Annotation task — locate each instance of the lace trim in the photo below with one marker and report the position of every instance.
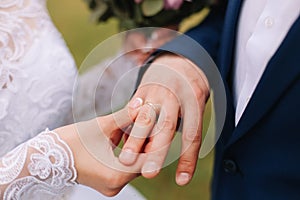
(50, 170)
(13, 164)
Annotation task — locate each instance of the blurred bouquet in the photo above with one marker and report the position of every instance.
(145, 13)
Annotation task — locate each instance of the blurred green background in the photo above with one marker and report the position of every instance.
(72, 19)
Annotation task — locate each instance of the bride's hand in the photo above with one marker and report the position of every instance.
(92, 143)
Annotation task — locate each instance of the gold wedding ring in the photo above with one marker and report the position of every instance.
(155, 107)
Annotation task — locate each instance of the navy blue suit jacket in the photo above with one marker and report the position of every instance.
(260, 158)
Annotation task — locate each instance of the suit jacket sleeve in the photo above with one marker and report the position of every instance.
(198, 43)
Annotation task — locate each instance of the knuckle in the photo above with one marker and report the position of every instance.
(113, 182)
(199, 93)
(186, 164)
(109, 178)
(200, 90)
(165, 126)
(192, 135)
(168, 124)
(111, 192)
(144, 119)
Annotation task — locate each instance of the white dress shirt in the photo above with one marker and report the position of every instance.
(262, 27)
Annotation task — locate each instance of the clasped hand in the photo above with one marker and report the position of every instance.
(172, 88)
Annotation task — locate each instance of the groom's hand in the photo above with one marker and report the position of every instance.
(172, 88)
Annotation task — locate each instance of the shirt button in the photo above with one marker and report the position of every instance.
(229, 166)
(269, 22)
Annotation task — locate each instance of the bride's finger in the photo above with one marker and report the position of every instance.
(99, 146)
(126, 133)
(115, 138)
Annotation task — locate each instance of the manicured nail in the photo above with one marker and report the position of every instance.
(127, 156)
(136, 103)
(183, 178)
(150, 167)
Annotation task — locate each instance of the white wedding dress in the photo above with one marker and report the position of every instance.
(37, 74)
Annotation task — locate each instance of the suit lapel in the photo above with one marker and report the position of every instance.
(228, 37)
(281, 71)
(226, 54)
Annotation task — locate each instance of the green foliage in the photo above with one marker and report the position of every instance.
(152, 7)
(163, 187)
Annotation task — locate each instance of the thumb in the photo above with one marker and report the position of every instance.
(120, 120)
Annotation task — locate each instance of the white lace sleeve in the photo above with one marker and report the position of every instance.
(42, 168)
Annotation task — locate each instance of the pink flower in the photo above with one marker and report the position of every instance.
(168, 4)
(173, 4)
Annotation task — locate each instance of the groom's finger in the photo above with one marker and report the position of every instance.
(191, 141)
(161, 139)
(139, 133)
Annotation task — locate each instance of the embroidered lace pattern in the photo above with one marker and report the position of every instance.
(37, 73)
(43, 166)
(16, 33)
(36, 80)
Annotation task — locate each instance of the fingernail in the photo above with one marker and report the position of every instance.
(136, 103)
(127, 156)
(150, 167)
(183, 178)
